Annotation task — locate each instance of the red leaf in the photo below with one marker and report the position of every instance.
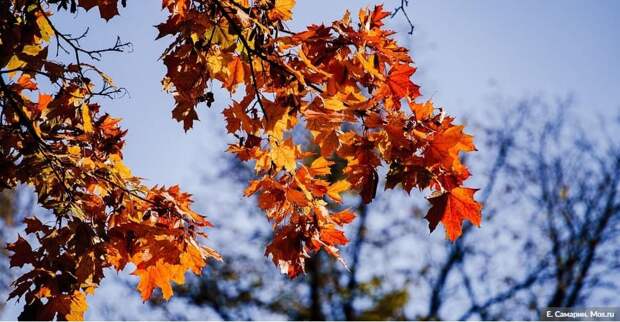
(400, 83)
(451, 208)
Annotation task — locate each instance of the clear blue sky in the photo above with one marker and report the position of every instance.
(466, 51)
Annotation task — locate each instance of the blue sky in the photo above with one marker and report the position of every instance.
(466, 51)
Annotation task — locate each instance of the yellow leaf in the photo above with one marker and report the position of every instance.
(32, 50)
(220, 37)
(240, 49)
(44, 28)
(107, 78)
(369, 65)
(120, 166)
(78, 212)
(335, 189)
(75, 150)
(88, 124)
(263, 162)
(77, 307)
(97, 190)
(320, 167)
(283, 155)
(281, 125)
(90, 290)
(283, 10)
(76, 98)
(333, 104)
(215, 63)
(14, 63)
(87, 163)
(194, 37)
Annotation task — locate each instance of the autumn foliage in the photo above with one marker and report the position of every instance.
(347, 86)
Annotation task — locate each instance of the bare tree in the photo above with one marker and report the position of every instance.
(562, 180)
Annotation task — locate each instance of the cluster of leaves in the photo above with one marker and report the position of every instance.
(58, 142)
(345, 84)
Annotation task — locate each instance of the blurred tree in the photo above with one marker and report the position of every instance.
(14, 205)
(6, 220)
(564, 177)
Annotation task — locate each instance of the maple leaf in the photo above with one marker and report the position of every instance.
(159, 275)
(343, 217)
(283, 155)
(452, 208)
(107, 8)
(377, 16)
(422, 111)
(177, 7)
(343, 83)
(335, 189)
(369, 65)
(22, 252)
(236, 70)
(297, 197)
(68, 307)
(186, 114)
(282, 10)
(320, 166)
(333, 236)
(329, 143)
(33, 225)
(399, 81)
(286, 250)
(446, 145)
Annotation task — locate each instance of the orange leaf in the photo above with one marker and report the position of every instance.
(236, 73)
(445, 147)
(297, 197)
(343, 217)
(159, 275)
(422, 111)
(283, 10)
(451, 208)
(26, 82)
(77, 307)
(44, 100)
(333, 236)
